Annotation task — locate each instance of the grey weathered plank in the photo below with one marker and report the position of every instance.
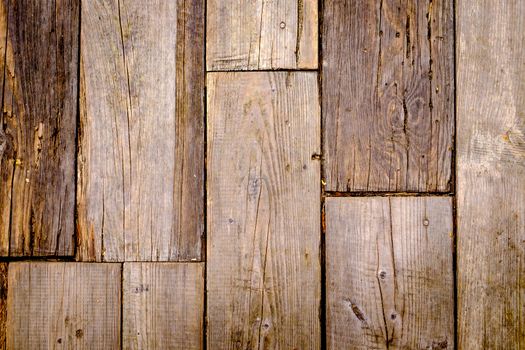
(141, 138)
(38, 72)
(491, 174)
(389, 274)
(263, 269)
(163, 305)
(261, 34)
(63, 305)
(3, 304)
(388, 95)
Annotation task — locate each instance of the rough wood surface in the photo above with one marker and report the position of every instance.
(3, 304)
(491, 174)
(38, 69)
(63, 305)
(261, 34)
(142, 155)
(163, 305)
(263, 269)
(388, 95)
(389, 274)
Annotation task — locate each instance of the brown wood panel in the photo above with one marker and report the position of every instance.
(141, 142)
(39, 72)
(389, 274)
(261, 34)
(63, 305)
(491, 174)
(3, 304)
(163, 306)
(388, 95)
(263, 268)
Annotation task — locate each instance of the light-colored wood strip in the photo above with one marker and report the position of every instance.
(38, 120)
(491, 174)
(141, 138)
(261, 34)
(63, 305)
(163, 306)
(389, 274)
(3, 304)
(388, 95)
(263, 268)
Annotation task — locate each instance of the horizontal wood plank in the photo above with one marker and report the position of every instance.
(163, 306)
(263, 268)
(141, 138)
(389, 275)
(63, 305)
(261, 34)
(39, 71)
(388, 95)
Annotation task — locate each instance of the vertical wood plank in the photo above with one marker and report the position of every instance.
(3, 304)
(141, 158)
(261, 34)
(63, 305)
(388, 95)
(389, 276)
(491, 174)
(163, 306)
(263, 279)
(39, 68)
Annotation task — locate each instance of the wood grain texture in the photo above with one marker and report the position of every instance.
(388, 95)
(142, 152)
(163, 306)
(39, 72)
(491, 174)
(63, 305)
(389, 274)
(263, 268)
(3, 304)
(261, 34)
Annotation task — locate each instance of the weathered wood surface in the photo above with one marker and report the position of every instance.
(389, 274)
(141, 138)
(263, 268)
(163, 305)
(38, 68)
(388, 95)
(63, 305)
(3, 304)
(491, 174)
(261, 34)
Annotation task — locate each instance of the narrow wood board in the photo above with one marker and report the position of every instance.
(141, 193)
(163, 306)
(3, 304)
(263, 268)
(63, 305)
(39, 72)
(388, 95)
(261, 34)
(491, 174)
(389, 274)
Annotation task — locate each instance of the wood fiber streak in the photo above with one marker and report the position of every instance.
(388, 95)
(141, 155)
(263, 268)
(389, 274)
(38, 120)
(63, 305)
(163, 306)
(3, 304)
(261, 34)
(491, 174)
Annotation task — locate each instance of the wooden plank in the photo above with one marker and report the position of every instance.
(388, 95)
(389, 274)
(491, 174)
(142, 153)
(70, 305)
(263, 279)
(3, 304)
(39, 71)
(163, 305)
(261, 34)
